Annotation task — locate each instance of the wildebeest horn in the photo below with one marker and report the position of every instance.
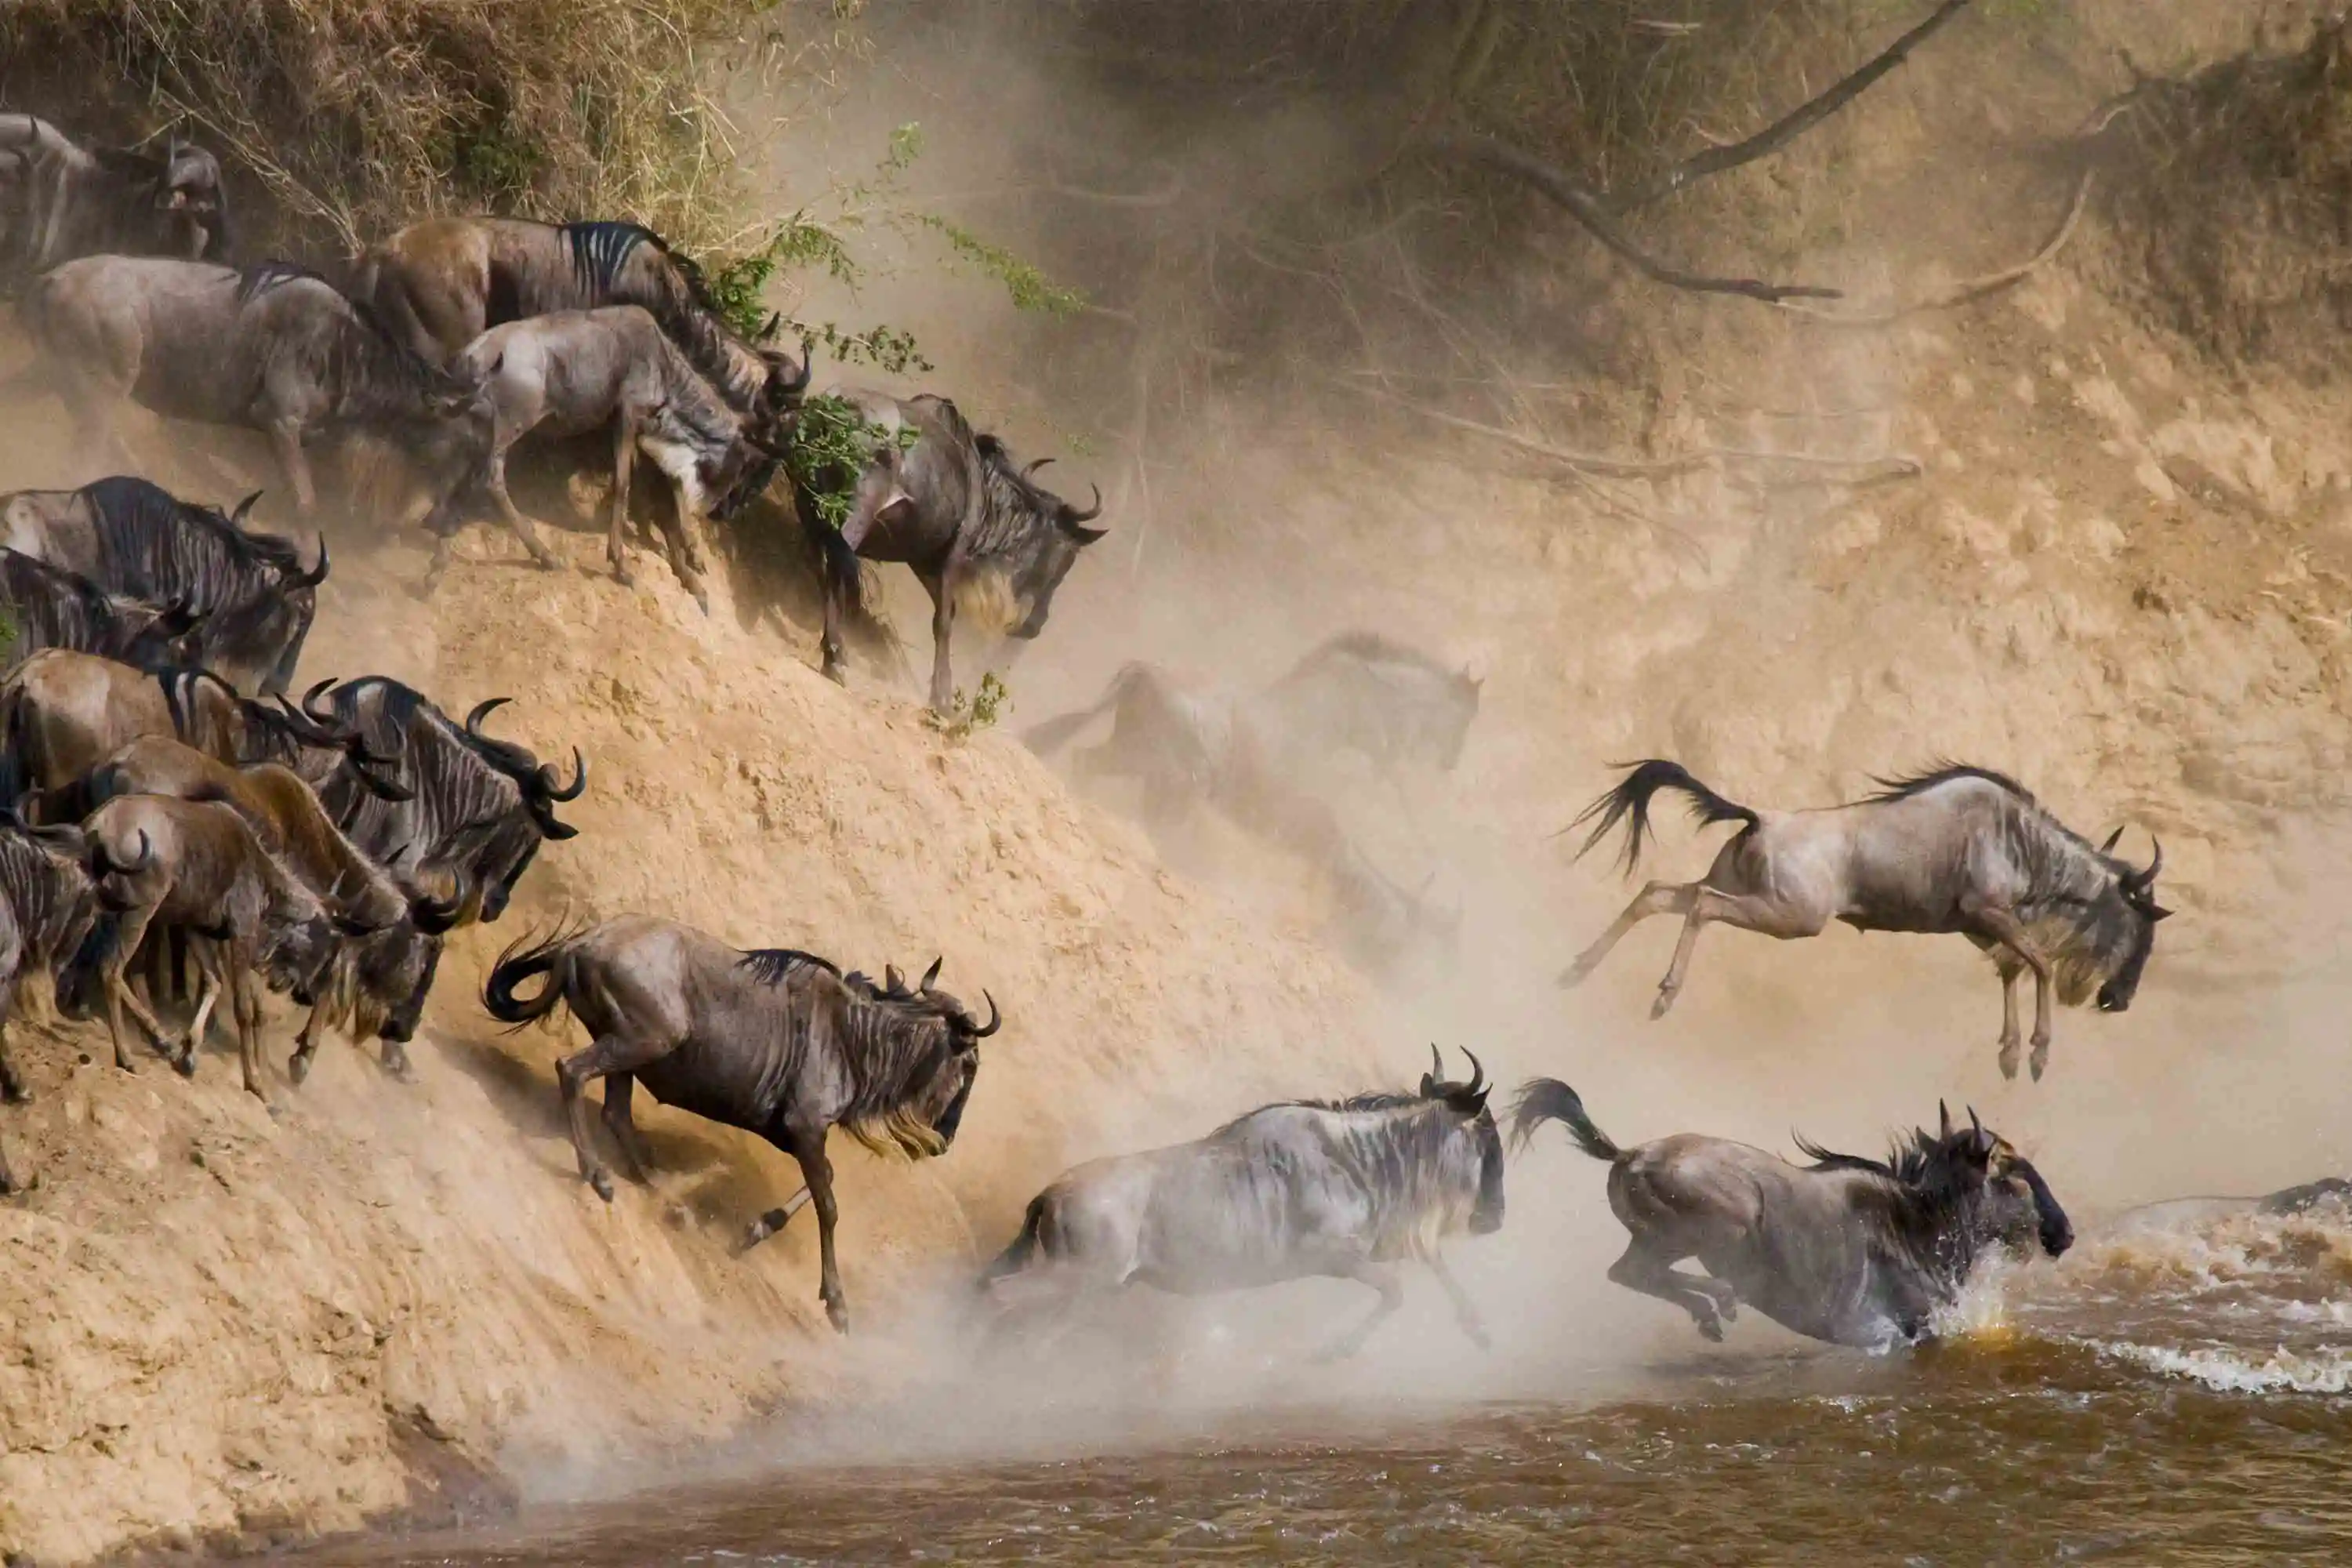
(548, 775)
(1436, 1064)
(995, 1019)
(1975, 1126)
(310, 699)
(236, 518)
(1477, 1073)
(1032, 467)
(1943, 1119)
(482, 710)
(436, 917)
(2141, 881)
(318, 572)
(775, 321)
(1072, 514)
(893, 983)
(931, 976)
(2113, 839)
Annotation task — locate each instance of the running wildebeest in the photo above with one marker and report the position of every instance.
(1342, 1189)
(273, 348)
(474, 808)
(48, 606)
(252, 592)
(1855, 1251)
(379, 983)
(157, 862)
(1960, 850)
(572, 371)
(444, 282)
(955, 509)
(59, 200)
(777, 1042)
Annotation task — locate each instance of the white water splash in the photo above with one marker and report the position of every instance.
(2237, 1371)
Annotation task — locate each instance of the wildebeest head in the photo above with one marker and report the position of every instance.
(392, 969)
(503, 860)
(191, 191)
(788, 375)
(1469, 1101)
(1036, 557)
(2131, 923)
(2003, 1197)
(936, 1082)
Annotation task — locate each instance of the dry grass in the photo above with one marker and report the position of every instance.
(360, 115)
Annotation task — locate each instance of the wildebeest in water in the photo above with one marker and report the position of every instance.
(1855, 1251)
(957, 509)
(1961, 849)
(1344, 1189)
(777, 1042)
(59, 200)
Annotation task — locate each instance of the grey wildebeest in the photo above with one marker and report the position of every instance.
(59, 200)
(777, 1042)
(955, 508)
(273, 348)
(158, 862)
(379, 982)
(48, 606)
(1855, 1251)
(1344, 1189)
(255, 596)
(46, 910)
(444, 282)
(473, 807)
(1959, 850)
(573, 372)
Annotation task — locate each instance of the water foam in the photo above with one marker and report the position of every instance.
(2237, 1372)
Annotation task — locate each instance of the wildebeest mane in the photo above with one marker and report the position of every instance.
(774, 965)
(1943, 773)
(1009, 504)
(1924, 1165)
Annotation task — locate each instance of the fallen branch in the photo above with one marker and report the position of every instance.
(1589, 208)
(1787, 129)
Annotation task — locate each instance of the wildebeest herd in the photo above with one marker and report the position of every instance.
(183, 834)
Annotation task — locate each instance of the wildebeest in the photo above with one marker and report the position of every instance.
(253, 593)
(955, 508)
(1855, 1251)
(59, 200)
(443, 281)
(473, 807)
(158, 862)
(1344, 1189)
(48, 606)
(1959, 850)
(777, 1042)
(47, 905)
(273, 348)
(379, 983)
(573, 372)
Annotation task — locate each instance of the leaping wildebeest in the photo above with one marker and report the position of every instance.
(59, 200)
(1959, 850)
(251, 591)
(444, 282)
(778, 1042)
(952, 505)
(274, 348)
(573, 372)
(1855, 1251)
(1342, 1189)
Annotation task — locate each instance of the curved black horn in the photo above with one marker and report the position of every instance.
(436, 917)
(893, 983)
(482, 710)
(995, 1019)
(318, 572)
(1091, 512)
(547, 778)
(1975, 1126)
(1477, 1073)
(2113, 839)
(310, 703)
(1032, 467)
(931, 976)
(2147, 878)
(236, 518)
(1436, 1064)
(774, 324)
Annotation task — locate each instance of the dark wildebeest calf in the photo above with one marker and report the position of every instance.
(1961, 849)
(59, 200)
(1858, 1252)
(578, 371)
(1344, 1189)
(954, 507)
(776, 1042)
(255, 597)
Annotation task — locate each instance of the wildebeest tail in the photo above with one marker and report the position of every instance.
(524, 958)
(1023, 1249)
(1630, 800)
(1051, 736)
(1543, 1099)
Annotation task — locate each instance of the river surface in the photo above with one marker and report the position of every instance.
(2176, 1392)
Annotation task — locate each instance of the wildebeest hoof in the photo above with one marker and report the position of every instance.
(838, 1316)
(2009, 1062)
(621, 575)
(2041, 1060)
(297, 1067)
(1658, 1008)
(603, 1183)
(397, 1066)
(1710, 1325)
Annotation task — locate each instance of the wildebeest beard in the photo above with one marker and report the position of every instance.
(2075, 904)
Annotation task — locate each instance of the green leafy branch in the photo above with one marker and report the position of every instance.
(831, 447)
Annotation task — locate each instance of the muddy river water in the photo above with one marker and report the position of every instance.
(2180, 1392)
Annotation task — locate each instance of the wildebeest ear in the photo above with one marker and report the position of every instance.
(550, 829)
(1943, 1122)
(2158, 913)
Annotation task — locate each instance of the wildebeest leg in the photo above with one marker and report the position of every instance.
(1652, 1272)
(775, 1220)
(1465, 1312)
(306, 1042)
(610, 1054)
(1657, 898)
(11, 1083)
(2009, 967)
(685, 555)
(286, 440)
(625, 460)
(1380, 1276)
(117, 989)
(495, 478)
(636, 1159)
(817, 1169)
(942, 592)
(2005, 928)
(1748, 912)
(247, 1004)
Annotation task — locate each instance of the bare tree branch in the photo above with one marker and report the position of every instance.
(1586, 207)
(1787, 129)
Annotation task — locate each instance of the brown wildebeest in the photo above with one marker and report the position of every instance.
(1342, 1189)
(196, 864)
(273, 348)
(955, 508)
(1855, 1251)
(59, 200)
(572, 371)
(1960, 850)
(444, 282)
(777, 1042)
